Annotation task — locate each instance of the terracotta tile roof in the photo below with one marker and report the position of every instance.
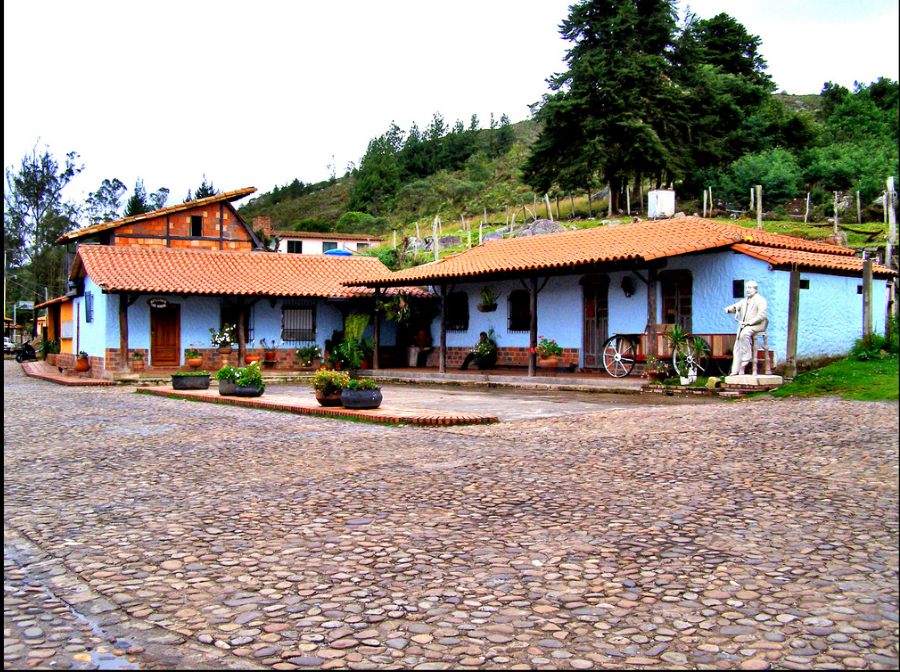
(781, 258)
(318, 235)
(228, 196)
(58, 299)
(215, 272)
(640, 242)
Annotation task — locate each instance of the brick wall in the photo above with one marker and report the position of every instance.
(505, 357)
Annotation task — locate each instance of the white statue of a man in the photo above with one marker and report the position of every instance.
(751, 314)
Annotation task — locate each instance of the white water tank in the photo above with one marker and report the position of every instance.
(660, 203)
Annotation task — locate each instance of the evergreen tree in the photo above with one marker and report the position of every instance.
(103, 205)
(205, 190)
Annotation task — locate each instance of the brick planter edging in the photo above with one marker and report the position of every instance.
(724, 391)
(381, 416)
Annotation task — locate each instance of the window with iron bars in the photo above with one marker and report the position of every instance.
(458, 312)
(519, 311)
(298, 323)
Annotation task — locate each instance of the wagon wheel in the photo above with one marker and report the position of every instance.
(692, 354)
(619, 354)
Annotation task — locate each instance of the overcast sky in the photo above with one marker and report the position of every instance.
(259, 93)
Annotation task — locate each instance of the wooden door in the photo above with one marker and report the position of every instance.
(596, 319)
(165, 336)
(676, 288)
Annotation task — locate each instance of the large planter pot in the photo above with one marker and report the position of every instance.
(82, 365)
(192, 382)
(271, 355)
(248, 390)
(361, 399)
(227, 387)
(548, 362)
(194, 362)
(486, 307)
(225, 350)
(249, 359)
(333, 399)
(137, 365)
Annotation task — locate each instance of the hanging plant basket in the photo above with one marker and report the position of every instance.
(486, 307)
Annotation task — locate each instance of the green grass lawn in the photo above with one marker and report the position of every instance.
(872, 380)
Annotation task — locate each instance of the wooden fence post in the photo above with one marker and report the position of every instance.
(759, 206)
(867, 297)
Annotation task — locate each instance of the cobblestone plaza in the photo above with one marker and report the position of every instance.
(145, 531)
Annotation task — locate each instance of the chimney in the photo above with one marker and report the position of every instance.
(263, 224)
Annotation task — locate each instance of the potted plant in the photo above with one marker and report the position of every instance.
(655, 370)
(309, 355)
(249, 382)
(489, 296)
(348, 355)
(250, 357)
(328, 386)
(222, 339)
(190, 380)
(193, 358)
(137, 361)
(81, 363)
(269, 350)
(548, 352)
(361, 393)
(227, 377)
(685, 372)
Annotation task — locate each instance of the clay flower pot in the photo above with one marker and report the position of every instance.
(548, 362)
(250, 358)
(271, 355)
(82, 365)
(194, 362)
(224, 349)
(333, 399)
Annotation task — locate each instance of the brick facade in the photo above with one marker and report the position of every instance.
(174, 230)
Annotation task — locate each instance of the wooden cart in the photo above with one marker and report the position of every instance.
(622, 351)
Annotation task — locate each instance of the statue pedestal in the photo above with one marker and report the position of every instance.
(760, 381)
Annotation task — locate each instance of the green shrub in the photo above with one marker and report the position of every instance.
(228, 373)
(361, 384)
(179, 374)
(251, 376)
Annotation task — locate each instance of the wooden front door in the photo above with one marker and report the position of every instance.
(596, 319)
(165, 336)
(677, 288)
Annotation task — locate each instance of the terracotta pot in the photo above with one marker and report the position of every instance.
(194, 362)
(82, 365)
(333, 399)
(225, 350)
(137, 365)
(249, 359)
(271, 355)
(548, 362)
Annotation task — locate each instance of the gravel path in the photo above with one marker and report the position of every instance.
(744, 535)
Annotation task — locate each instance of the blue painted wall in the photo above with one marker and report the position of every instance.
(830, 310)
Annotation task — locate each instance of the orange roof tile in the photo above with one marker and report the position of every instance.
(317, 235)
(640, 242)
(58, 299)
(97, 228)
(809, 260)
(164, 270)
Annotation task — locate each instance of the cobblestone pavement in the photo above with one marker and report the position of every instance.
(745, 535)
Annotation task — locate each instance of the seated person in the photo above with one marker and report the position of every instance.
(484, 353)
(422, 340)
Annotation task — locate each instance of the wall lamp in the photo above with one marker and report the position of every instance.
(628, 286)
